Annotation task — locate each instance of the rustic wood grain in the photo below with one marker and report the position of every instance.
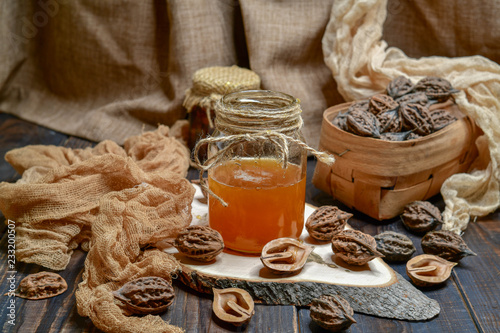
(479, 277)
(16, 133)
(193, 312)
(469, 300)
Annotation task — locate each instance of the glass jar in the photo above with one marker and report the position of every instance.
(260, 169)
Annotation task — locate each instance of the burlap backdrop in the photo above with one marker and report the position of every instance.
(102, 69)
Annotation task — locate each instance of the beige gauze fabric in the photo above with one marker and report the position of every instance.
(363, 64)
(127, 222)
(56, 201)
(114, 202)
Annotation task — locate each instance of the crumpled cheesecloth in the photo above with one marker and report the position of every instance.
(127, 222)
(114, 202)
(363, 64)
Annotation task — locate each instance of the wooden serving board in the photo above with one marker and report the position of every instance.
(373, 288)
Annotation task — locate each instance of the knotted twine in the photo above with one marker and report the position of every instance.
(243, 124)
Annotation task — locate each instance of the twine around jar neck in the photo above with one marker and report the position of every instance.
(254, 116)
(256, 111)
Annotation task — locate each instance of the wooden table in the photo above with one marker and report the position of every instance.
(469, 300)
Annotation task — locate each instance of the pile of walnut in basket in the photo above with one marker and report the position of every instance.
(402, 113)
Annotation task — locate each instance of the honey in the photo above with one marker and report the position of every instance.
(265, 202)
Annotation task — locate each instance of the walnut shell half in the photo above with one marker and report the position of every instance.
(285, 255)
(428, 270)
(200, 243)
(233, 305)
(41, 285)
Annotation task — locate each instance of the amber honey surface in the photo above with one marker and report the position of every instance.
(265, 202)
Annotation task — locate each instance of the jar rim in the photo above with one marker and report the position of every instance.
(258, 110)
(261, 100)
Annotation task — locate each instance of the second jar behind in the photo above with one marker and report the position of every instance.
(261, 178)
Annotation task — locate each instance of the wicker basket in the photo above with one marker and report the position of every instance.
(380, 177)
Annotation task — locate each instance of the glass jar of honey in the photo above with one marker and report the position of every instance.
(258, 169)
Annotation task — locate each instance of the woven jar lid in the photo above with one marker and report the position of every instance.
(211, 83)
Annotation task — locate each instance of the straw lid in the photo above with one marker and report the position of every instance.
(211, 83)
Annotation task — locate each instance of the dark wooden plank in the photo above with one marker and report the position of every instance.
(49, 315)
(479, 277)
(77, 143)
(193, 312)
(16, 133)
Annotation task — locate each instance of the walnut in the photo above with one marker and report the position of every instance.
(435, 88)
(199, 243)
(414, 98)
(399, 86)
(285, 255)
(363, 123)
(382, 103)
(325, 222)
(441, 118)
(445, 244)
(233, 305)
(355, 247)
(340, 121)
(394, 246)
(421, 216)
(399, 136)
(412, 136)
(362, 105)
(332, 312)
(41, 285)
(390, 121)
(417, 118)
(145, 295)
(428, 270)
